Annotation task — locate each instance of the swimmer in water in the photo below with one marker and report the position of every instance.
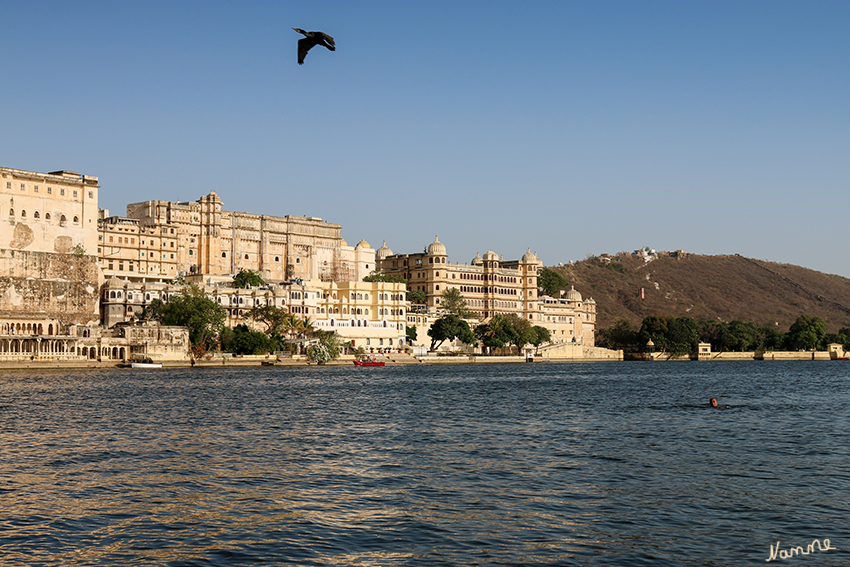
(713, 402)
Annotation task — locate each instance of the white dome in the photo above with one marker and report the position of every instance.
(491, 256)
(383, 251)
(436, 248)
(363, 244)
(478, 260)
(573, 295)
(530, 258)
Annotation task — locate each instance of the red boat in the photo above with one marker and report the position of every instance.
(368, 362)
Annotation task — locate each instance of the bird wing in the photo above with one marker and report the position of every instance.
(304, 46)
(329, 39)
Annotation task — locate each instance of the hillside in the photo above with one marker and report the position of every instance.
(721, 288)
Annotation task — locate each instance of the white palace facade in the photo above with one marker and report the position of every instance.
(492, 286)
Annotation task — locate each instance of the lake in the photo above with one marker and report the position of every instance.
(610, 463)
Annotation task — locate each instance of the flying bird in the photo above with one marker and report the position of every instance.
(310, 39)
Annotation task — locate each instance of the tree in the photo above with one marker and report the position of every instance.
(327, 349)
(494, 333)
(622, 336)
(540, 335)
(416, 296)
(448, 328)
(452, 302)
(242, 340)
(382, 277)
(277, 320)
(192, 309)
(411, 334)
(682, 336)
(655, 329)
(807, 333)
(519, 330)
(247, 278)
(551, 282)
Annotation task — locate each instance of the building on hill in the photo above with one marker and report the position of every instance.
(202, 238)
(492, 286)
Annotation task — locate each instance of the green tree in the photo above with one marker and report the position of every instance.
(382, 277)
(540, 335)
(519, 330)
(327, 349)
(411, 334)
(452, 302)
(806, 333)
(247, 278)
(448, 328)
(278, 321)
(192, 309)
(682, 336)
(551, 282)
(416, 296)
(493, 334)
(653, 329)
(242, 340)
(622, 336)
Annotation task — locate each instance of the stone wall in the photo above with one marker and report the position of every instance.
(64, 287)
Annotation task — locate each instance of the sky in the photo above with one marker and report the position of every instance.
(571, 128)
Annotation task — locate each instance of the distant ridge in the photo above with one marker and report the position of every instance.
(719, 288)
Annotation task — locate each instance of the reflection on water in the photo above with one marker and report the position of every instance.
(546, 464)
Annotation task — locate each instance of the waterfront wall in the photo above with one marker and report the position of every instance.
(63, 287)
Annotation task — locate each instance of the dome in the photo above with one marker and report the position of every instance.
(363, 244)
(530, 258)
(436, 248)
(383, 251)
(573, 295)
(478, 260)
(491, 256)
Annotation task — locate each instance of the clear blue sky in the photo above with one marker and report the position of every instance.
(572, 128)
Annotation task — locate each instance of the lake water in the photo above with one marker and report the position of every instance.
(517, 464)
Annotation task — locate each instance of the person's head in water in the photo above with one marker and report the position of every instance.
(713, 402)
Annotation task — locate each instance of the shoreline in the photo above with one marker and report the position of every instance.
(258, 361)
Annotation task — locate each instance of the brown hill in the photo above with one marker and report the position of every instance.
(721, 288)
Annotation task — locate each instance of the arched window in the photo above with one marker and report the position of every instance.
(46, 216)
(11, 212)
(224, 254)
(23, 214)
(35, 215)
(76, 220)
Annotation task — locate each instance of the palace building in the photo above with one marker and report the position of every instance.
(493, 286)
(160, 240)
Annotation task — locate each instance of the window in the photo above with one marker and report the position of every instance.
(11, 212)
(23, 187)
(75, 193)
(76, 220)
(46, 216)
(23, 214)
(35, 215)
(91, 194)
(62, 191)
(246, 256)
(50, 190)
(224, 254)
(8, 185)
(191, 252)
(35, 188)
